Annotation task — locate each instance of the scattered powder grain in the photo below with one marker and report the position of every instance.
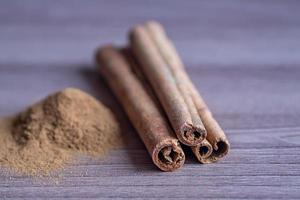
(48, 134)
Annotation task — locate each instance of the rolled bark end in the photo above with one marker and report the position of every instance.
(203, 151)
(220, 149)
(191, 135)
(168, 155)
(215, 152)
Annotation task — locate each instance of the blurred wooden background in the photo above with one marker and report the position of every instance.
(244, 57)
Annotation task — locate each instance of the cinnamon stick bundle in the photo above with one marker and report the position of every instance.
(165, 49)
(174, 96)
(141, 109)
(203, 150)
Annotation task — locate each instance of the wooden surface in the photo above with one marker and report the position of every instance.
(244, 56)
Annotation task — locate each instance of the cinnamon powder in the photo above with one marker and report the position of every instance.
(50, 133)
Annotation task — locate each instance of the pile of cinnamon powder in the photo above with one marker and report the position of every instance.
(48, 134)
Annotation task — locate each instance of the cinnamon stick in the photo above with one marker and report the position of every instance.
(215, 135)
(203, 150)
(151, 126)
(174, 97)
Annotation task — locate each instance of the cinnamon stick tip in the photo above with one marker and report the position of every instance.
(135, 31)
(191, 135)
(207, 153)
(203, 151)
(100, 50)
(168, 155)
(220, 148)
(106, 53)
(154, 24)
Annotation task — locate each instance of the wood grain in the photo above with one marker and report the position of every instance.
(242, 55)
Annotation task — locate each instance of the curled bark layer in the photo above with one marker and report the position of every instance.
(203, 151)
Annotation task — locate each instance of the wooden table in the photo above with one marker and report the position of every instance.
(244, 56)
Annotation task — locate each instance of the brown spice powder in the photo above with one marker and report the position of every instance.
(48, 134)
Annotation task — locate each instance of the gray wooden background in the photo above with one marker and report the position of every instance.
(244, 56)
